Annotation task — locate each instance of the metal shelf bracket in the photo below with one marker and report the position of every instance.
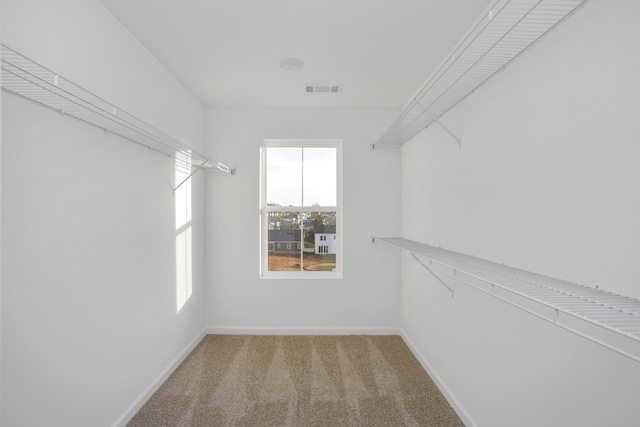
(220, 166)
(451, 289)
(446, 129)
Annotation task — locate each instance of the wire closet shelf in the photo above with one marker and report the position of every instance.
(30, 80)
(502, 32)
(607, 319)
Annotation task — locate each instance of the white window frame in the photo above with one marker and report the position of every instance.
(266, 211)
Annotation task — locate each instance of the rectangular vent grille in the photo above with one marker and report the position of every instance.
(325, 88)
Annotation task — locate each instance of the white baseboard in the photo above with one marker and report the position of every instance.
(155, 384)
(242, 330)
(448, 394)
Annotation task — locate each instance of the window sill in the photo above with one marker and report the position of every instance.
(293, 275)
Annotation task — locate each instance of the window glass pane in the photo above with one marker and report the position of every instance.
(284, 176)
(303, 239)
(319, 241)
(320, 187)
(284, 249)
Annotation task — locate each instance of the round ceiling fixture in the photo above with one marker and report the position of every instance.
(291, 64)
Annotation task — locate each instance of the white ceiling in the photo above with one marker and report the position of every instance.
(226, 52)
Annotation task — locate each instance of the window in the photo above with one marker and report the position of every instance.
(301, 198)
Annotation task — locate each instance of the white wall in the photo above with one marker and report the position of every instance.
(368, 295)
(89, 315)
(546, 180)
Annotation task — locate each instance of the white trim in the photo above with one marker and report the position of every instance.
(299, 142)
(245, 330)
(156, 383)
(448, 394)
(294, 209)
(301, 275)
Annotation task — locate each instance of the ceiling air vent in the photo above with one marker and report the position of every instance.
(323, 88)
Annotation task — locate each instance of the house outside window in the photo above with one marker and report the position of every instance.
(301, 206)
(322, 244)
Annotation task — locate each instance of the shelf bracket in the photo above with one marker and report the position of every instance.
(446, 129)
(188, 177)
(220, 166)
(432, 273)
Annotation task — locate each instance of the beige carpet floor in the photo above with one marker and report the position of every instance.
(247, 380)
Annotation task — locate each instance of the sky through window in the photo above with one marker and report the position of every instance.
(301, 176)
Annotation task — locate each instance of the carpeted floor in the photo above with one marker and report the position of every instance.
(248, 380)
